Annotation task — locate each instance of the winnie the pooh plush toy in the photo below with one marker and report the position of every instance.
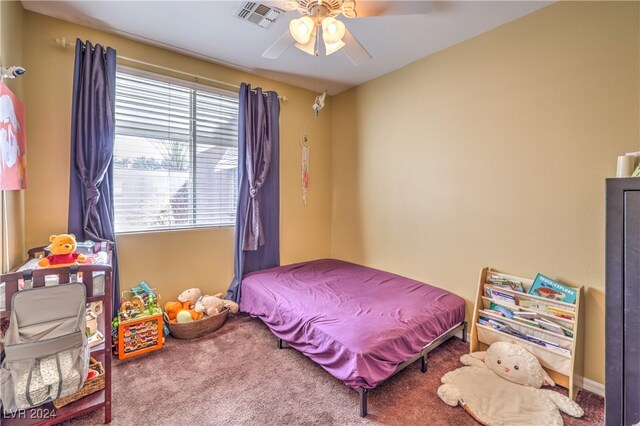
(502, 387)
(63, 252)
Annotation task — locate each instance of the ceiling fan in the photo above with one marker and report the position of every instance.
(318, 29)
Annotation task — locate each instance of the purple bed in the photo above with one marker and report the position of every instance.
(360, 324)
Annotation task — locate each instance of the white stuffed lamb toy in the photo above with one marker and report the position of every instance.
(502, 387)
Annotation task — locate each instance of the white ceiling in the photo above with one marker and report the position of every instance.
(209, 30)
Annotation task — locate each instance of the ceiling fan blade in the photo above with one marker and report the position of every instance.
(385, 8)
(354, 50)
(276, 49)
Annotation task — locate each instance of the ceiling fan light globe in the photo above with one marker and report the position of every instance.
(301, 29)
(310, 46)
(333, 47)
(332, 30)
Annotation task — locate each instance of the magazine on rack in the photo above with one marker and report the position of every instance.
(500, 296)
(504, 328)
(504, 282)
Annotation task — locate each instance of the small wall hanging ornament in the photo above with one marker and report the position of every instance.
(11, 72)
(305, 166)
(318, 104)
(13, 141)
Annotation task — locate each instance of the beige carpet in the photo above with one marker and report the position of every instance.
(236, 376)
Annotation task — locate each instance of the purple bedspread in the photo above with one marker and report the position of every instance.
(358, 323)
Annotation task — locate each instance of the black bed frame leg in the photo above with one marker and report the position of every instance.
(279, 344)
(464, 332)
(423, 363)
(363, 401)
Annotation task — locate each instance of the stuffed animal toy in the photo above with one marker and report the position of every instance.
(183, 316)
(172, 309)
(502, 387)
(233, 306)
(63, 252)
(190, 296)
(187, 300)
(212, 305)
(182, 311)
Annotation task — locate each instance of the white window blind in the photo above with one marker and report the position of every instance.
(176, 155)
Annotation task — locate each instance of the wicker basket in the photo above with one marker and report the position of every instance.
(90, 386)
(195, 329)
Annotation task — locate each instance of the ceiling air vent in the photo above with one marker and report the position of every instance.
(258, 13)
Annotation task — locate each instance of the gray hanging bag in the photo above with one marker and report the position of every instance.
(46, 349)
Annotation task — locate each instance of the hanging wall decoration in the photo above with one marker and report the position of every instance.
(13, 141)
(305, 166)
(318, 103)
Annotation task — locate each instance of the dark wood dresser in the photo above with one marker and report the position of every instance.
(623, 302)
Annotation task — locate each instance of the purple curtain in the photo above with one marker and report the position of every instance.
(258, 214)
(92, 141)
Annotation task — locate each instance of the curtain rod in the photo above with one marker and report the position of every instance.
(62, 41)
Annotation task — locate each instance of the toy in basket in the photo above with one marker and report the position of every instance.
(139, 325)
(194, 315)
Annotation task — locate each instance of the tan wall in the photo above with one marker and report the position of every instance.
(170, 261)
(11, 36)
(494, 153)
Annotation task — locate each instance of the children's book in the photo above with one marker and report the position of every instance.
(534, 305)
(561, 313)
(525, 321)
(488, 321)
(505, 283)
(483, 320)
(526, 315)
(562, 322)
(549, 345)
(551, 326)
(551, 289)
(506, 312)
(500, 296)
(497, 325)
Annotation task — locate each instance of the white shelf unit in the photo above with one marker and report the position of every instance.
(563, 368)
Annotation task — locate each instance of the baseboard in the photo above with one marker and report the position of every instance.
(590, 385)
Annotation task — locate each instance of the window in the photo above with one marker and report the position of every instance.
(176, 155)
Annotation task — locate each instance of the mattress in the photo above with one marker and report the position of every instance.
(358, 323)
